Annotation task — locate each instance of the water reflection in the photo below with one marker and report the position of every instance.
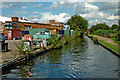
(79, 59)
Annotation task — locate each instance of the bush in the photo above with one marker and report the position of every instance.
(53, 39)
(108, 36)
(20, 47)
(117, 36)
(59, 44)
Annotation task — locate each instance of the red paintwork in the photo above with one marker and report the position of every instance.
(9, 34)
(87, 31)
(17, 34)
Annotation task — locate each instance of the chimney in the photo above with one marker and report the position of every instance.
(21, 18)
(15, 19)
(51, 21)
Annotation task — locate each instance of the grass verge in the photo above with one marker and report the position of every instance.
(110, 46)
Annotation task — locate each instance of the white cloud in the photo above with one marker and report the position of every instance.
(81, 8)
(54, 5)
(24, 7)
(112, 17)
(17, 0)
(9, 4)
(34, 17)
(90, 0)
(5, 5)
(35, 20)
(73, 0)
(96, 21)
(3, 19)
(94, 14)
(20, 12)
(62, 17)
(35, 12)
(61, 3)
(99, 15)
(60, 0)
(108, 5)
(39, 5)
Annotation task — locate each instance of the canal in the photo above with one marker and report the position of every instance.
(80, 58)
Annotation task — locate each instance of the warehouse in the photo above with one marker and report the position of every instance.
(17, 26)
(25, 25)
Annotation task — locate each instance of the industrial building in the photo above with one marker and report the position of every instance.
(1, 27)
(15, 24)
(15, 27)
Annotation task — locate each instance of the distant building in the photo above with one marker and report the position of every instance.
(1, 27)
(25, 25)
(51, 21)
(87, 31)
(66, 27)
(11, 25)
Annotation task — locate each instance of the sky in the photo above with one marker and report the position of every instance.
(39, 11)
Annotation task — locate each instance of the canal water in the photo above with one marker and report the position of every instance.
(80, 58)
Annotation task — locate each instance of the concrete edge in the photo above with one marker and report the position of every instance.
(115, 53)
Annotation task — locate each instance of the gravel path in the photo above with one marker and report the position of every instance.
(107, 40)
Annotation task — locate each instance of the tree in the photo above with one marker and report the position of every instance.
(78, 24)
(119, 22)
(101, 26)
(118, 36)
(115, 26)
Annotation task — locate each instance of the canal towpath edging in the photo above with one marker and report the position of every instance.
(29, 56)
(104, 46)
(23, 58)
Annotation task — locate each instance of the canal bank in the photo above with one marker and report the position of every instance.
(111, 47)
(79, 59)
(49, 48)
(31, 55)
(12, 51)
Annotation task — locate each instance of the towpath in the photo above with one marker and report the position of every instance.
(12, 53)
(107, 40)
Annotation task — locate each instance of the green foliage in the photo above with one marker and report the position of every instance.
(113, 31)
(105, 31)
(99, 27)
(118, 36)
(20, 47)
(115, 40)
(29, 50)
(110, 46)
(66, 38)
(78, 24)
(119, 24)
(59, 44)
(53, 39)
(5, 61)
(101, 32)
(115, 26)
